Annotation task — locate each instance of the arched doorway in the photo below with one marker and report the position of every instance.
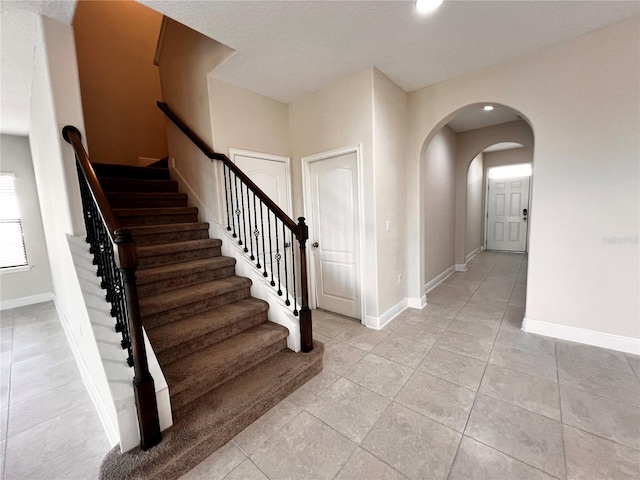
(454, 179)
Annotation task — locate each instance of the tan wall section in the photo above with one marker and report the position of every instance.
(116, 44)
(438, 178)
(474, 235)
(389, 137)
(248, 121)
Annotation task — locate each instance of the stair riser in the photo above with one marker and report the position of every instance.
(133, 220)
(138, 186)
(179, 400)
(212, 338)
(176, 257)
(169, 237)
(130, 171)
(167, 316)
(147, 202)
(168, 284)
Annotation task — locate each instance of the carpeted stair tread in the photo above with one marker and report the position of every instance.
(115, 170)
(137, 185)
(168, 227)
(153, 216)
(150, 200)
(161, 302)
(210, 422)
(162, 272)
(168, 248)
(210, 366)
(181, 331)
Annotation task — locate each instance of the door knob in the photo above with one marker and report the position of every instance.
(315, 244)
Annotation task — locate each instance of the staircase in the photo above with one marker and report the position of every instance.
(224, 362)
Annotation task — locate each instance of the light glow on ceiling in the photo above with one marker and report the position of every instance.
(425, 7)
(510, 171)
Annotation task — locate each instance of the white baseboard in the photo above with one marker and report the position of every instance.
(24, 301)
(460, 267)
(111, 429)
(473, 254)
(377, 323)
(418, 303)
(439, 279)
(583, 335)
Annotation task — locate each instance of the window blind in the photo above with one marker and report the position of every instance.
(12, 251)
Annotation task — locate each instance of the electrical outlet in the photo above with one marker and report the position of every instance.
(399, 279)
(388, 225)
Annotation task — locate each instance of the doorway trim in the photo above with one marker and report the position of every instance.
(306, 199)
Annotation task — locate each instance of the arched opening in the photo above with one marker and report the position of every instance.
(456, 158)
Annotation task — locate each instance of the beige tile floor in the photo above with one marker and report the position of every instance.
(455, 390)
(50, 428)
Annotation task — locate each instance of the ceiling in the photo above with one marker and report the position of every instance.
(288, 49)
(474, 116)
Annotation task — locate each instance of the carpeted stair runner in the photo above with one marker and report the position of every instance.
(224, 362)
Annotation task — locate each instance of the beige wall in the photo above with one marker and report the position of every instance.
(248, 121)
(583, 104)
(116, 43)
(15, 156)
(389, 137)
(438, 180)
(339, 116)
(474, 232)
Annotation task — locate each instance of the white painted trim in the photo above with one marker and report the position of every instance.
(471, 255)
(306, 201)
(273, 158)
(111, 429)
(583, 335)
(417, 303)
(378, 323)
(24, 301)
(439, 279)
(460, 267)
(21, 268)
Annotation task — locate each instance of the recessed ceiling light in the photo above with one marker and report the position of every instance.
(487, 108)
(425, 7)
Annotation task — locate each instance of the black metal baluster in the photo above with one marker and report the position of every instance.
(286, 276)
(237, 210)
(273, 283)
(278, 257)
(227, 192)
(251, 256)
(256, 232)
(293, 272)
(264, 251)
(244, 222)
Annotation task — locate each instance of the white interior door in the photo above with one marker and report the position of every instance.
(271, 174)
(507, 214)
(335, 235)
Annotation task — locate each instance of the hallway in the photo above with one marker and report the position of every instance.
(456, 391)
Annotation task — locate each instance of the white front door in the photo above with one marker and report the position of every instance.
(335, 236)
(507, 214)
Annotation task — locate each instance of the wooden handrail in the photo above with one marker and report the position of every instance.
(127, 263)
(73, 136)
(204, 148)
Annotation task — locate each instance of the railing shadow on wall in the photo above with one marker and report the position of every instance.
(114, 254)
(264, 232)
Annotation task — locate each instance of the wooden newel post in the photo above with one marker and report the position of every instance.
(306, 332)
(143, 385)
